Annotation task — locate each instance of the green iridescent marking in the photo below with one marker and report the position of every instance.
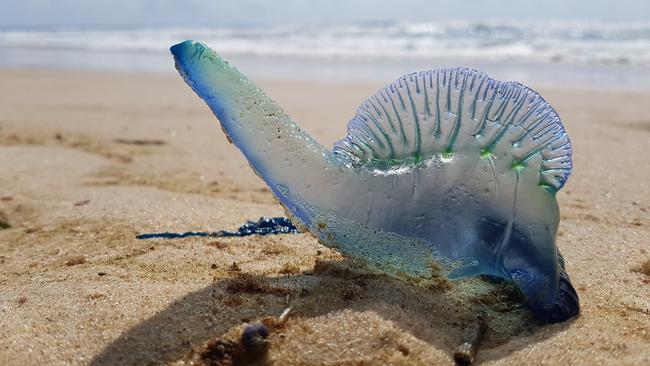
(486, 153)
(518, 165)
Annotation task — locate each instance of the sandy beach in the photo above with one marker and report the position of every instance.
(88, 160)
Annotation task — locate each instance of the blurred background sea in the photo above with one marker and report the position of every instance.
(603, 44)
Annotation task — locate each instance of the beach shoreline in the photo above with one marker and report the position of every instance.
(90, 159)
(349, 69)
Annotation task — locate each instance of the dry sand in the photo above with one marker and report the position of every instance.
(89, 160)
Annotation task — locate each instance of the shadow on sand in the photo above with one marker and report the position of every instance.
(434, 315)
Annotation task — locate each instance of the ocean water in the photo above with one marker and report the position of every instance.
(582, 53)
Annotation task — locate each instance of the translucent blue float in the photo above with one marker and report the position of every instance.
(442, 172)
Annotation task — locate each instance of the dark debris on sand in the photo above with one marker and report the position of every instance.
(643, 268)
(250, 347)
(141, 142)
(4, 221)
(246, 283)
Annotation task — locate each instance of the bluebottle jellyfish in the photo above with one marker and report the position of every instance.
(442, 170)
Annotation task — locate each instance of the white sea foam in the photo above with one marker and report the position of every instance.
(549, 42)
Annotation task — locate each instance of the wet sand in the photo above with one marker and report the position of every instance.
(90, 160)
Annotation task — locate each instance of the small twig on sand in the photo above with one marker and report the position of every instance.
(465, 354)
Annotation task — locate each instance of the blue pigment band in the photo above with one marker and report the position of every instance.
(263, 226)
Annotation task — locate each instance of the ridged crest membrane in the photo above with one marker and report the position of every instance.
(458, 111)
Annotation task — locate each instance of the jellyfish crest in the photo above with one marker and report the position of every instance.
(456, 111)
